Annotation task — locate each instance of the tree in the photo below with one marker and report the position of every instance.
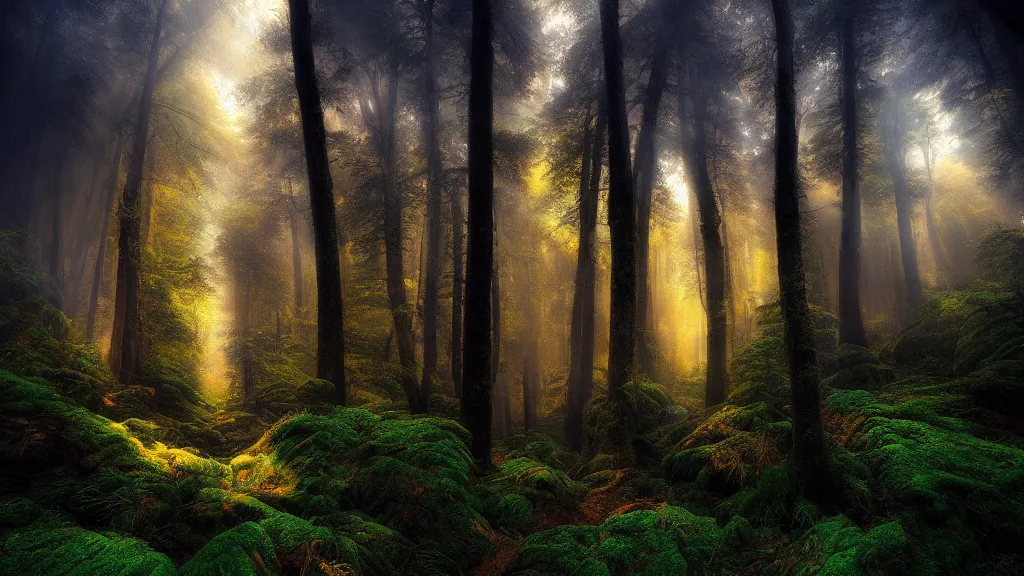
(581, 354)
(893, 126)
(101, 250)
(434, 184)
(126, 342)
(330, 363)
(621, 208)
(696, 159)
(476, 357)
(851, 323)
(812, 465)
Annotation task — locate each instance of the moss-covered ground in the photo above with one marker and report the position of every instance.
(925, 431)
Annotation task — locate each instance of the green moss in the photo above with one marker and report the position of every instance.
(625, 424)
(50, 546)
(653, 542)
(858, 368)
(837, 547)
(245, 550)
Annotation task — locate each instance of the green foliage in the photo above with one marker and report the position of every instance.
(533, 485)
(667, 541)
(858, 368)
(624, 424)
(837, 547)
(1000, 253)
(51, 546)
(245, 550)
(960, 496)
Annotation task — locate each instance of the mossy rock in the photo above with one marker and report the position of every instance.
(625, 423)
(858, 369)
(837, 547)
(245, 550)
(50, 546)
(667, 541)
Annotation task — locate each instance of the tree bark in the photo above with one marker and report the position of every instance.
(128, 332)
(146, 220)
(714, 254)
(330, 323)
(643, 175)
(476, 389)
(458, 239)
(894, 142)
(293, 219)
(581, 376)
(101, 250)
(381, 120)
(531, 369)
(433, 280)
(851, 323)
(813, 472)
(621, 209)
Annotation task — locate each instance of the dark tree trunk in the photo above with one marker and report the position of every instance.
(476, 357)
(433, 280)
(695, 154)
(146, 219)
(382, 120)
(330, 362)
(101, 250)
(581, 376)
(851, 324)
(297, 283)
(458, 238)
(643, 175)
(531, 370)
(894, 142)
(128, 324)
(621, 208)
(812, 465)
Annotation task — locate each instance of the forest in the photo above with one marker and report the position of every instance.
(511, 287)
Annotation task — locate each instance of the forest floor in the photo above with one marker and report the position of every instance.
(924, 441)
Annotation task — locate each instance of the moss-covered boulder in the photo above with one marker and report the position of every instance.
(837, 547)
(666, 542)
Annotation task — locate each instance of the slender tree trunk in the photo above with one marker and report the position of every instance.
(101, 251)
(621, 208)
(531, 370)
(643, 176)
(297, 282)
(430, 296)
(129, 331)
(243, 311)
(938, 248)
(851, 323)
(695, 152)
(476, 357)
(573, 415)
(582, 378)
(812, 465)
(147, 197)
(458, 239)
(384, 117)
(330, 364)
(894, 142)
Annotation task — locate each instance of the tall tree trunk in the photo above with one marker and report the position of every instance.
(56, 255)
(147, 197)
(851, 323)
(894, 134)
(695, 155)
(581, 381)
(330, 362)
(501, 400)
(643, 175)
(243, 336)
(293, 219)
(433, 130)
(476, 357)
(813, 473)
(531, 370)
(382, 118)
(101, 250)
(128, 331)
(621, 208)
(458, 239)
